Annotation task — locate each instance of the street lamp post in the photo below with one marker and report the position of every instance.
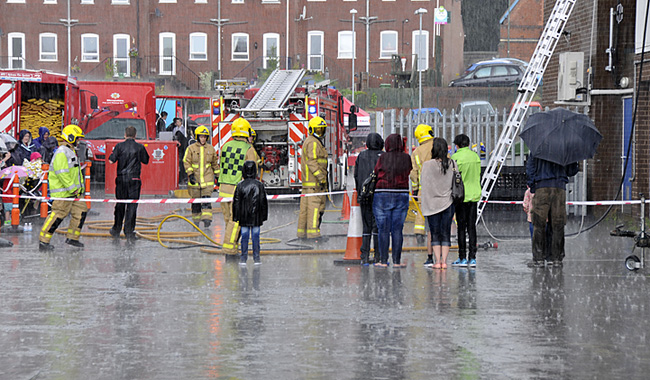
(420, 12)
(354, 49)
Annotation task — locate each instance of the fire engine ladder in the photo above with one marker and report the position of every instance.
(527, 88)
(275, 91)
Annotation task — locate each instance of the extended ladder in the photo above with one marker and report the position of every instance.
(275, 91)
(527, 88)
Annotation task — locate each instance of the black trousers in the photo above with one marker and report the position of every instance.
(126, 189)
(466, 219)
(369, 231)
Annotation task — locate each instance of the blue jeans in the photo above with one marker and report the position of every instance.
(245, 231)
(390, 210)
(440, 226)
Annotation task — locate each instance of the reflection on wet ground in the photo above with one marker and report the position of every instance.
(114, 312)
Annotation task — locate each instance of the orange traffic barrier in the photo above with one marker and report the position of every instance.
(15, 210)
(46, 168)
(345, 208)
(355, 232)
(87, 183)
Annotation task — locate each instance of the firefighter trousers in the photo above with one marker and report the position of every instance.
(418, 225)
(231, 236)
(61, 209)
(201, 211)
(311, 213)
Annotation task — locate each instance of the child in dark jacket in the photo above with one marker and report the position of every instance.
(250, 209)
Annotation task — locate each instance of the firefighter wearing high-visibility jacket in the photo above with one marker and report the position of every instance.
(66, 181)
(314, 180)
(424, 134)
(201, 164)
(231, 162)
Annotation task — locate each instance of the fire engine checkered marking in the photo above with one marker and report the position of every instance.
(232, 161)
(7, 107)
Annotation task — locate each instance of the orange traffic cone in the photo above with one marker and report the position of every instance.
(355, 235)
(345, 208)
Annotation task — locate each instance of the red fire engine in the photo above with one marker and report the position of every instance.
(279, 112)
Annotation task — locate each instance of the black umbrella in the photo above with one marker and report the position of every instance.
(561, 136)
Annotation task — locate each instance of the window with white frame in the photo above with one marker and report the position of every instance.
(346, 44)
(238, 1)
(121, 60)
(87, 1)
(240, 47)
(167, 53)
(388, 44)
(16, 1)
(271, 49)
(200, 1)
(420, 43)
(167, 1)
(16, 50)
(47, 47)
(315, 57)
(198, 47)
(49, 1)
(89, 47)
(120, 2)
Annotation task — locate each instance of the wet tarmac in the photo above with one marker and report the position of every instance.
(113, 311)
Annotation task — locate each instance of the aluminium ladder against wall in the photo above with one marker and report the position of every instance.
(275, 91)
(527, 88)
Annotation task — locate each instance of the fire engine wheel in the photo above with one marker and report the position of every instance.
(632, 263)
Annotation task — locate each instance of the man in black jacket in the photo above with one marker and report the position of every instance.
(129, 156)
(547, 180)
(250, 209)
(363, 167)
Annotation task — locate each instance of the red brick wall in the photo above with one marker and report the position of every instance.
(607, 112)
(180, 19)
(523, 30)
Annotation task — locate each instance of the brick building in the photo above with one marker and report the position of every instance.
(520, 28)
(163, 39)
(609, 97)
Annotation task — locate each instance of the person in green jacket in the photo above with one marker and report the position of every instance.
(66, 181)
(469, 165)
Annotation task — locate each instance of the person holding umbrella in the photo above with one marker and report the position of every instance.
(557, 140)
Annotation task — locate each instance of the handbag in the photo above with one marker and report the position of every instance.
(457, 187)
(367, 192)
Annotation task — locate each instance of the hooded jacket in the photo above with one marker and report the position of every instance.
(23, 151)
(250, 207)
(367, 159)
(38, 142)
(394, 166)
(48, 148)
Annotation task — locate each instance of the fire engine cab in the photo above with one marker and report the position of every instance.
(279, 112)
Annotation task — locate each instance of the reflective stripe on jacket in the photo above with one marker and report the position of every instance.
(65, 179)
(313, 162)
(202, 161)
(419, 156)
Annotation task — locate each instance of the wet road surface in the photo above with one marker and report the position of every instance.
(111, 311)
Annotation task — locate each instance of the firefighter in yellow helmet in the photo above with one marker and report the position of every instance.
(231, 161)
(314, 180)
(424, 134)
(201, 164)
(66, 180)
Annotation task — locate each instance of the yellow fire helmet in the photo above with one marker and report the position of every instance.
(241, 128)
(423, 133)
(201, 130)
(72, 133)
(317, 126)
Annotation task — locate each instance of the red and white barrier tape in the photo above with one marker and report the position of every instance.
(165, 200)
